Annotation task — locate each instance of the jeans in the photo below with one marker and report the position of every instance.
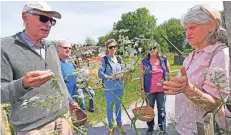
(81, 97)
(160, 98)
(111, 99)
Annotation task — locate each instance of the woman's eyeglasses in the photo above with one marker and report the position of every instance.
(110, 47)
(153, 48)
(43, 18)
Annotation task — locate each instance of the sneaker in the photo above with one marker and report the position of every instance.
(93, 110)
(149, 131)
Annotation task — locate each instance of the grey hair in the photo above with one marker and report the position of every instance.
(222, 36)
(59, 43)
(32, 10)
(201, 15)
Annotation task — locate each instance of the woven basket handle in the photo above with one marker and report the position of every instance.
(140, 100)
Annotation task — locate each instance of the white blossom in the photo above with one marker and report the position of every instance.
(218, 76)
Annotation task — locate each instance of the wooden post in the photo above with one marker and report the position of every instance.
(206, 127)
(4, 126)
(227, 12)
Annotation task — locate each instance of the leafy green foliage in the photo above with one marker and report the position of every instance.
(90, 41)
(174, 32)
(139, 22)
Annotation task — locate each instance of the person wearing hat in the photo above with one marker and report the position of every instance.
(108, 71)
(203, 81)
(28, 64)
(154, 68)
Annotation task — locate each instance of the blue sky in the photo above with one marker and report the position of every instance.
(93, 19)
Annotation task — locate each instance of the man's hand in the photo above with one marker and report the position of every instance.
(36, 78)
(74, 106)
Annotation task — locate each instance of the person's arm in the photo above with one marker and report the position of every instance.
(11, 89)
(141, 76)
(168, 67)
(212, 97)
(202, 99)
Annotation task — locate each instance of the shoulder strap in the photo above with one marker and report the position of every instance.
(106, 63)
(165, 62)
(218, 48)
(119, 59)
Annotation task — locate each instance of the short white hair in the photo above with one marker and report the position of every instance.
(62, 41)
(24, 24)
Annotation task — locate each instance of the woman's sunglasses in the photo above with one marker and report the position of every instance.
(153, 48)
(200, 7)
(43, 18)
(110, 47)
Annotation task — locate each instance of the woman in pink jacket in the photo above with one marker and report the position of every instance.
(195, 86)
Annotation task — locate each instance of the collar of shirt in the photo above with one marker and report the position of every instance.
(30, 42)
(209, 48)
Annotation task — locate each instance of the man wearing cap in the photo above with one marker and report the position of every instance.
(28, 65)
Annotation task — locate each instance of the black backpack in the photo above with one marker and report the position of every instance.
(119, 59)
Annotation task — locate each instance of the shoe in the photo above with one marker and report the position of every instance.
(111, 131)
(149, 131)
(163, 133)
(93, 110)
(121, 129)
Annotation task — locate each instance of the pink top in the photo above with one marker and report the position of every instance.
(157, 75)
(186, 113)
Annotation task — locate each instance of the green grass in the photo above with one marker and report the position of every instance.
(131, 94)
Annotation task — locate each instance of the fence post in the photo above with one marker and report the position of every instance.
(206, 127)
(227, 12)
(4, 125)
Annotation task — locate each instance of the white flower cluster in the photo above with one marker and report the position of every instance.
(218, 76)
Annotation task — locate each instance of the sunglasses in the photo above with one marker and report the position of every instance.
(110, 47)
(200, 7)
(43, 18)
(153, 48)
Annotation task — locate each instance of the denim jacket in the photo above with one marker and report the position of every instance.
(110, 84)
(148, 71)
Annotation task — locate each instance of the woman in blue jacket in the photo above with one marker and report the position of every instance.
(113, 84)
(155, 68)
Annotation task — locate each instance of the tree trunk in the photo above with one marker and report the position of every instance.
(227, 12)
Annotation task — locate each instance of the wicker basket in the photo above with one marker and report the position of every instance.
(79, 117)
(144, 113)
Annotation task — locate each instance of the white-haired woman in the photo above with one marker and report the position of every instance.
(197, 94)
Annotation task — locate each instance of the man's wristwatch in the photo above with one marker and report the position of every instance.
(141, 89)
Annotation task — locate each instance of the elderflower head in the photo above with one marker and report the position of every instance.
(218, 76)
